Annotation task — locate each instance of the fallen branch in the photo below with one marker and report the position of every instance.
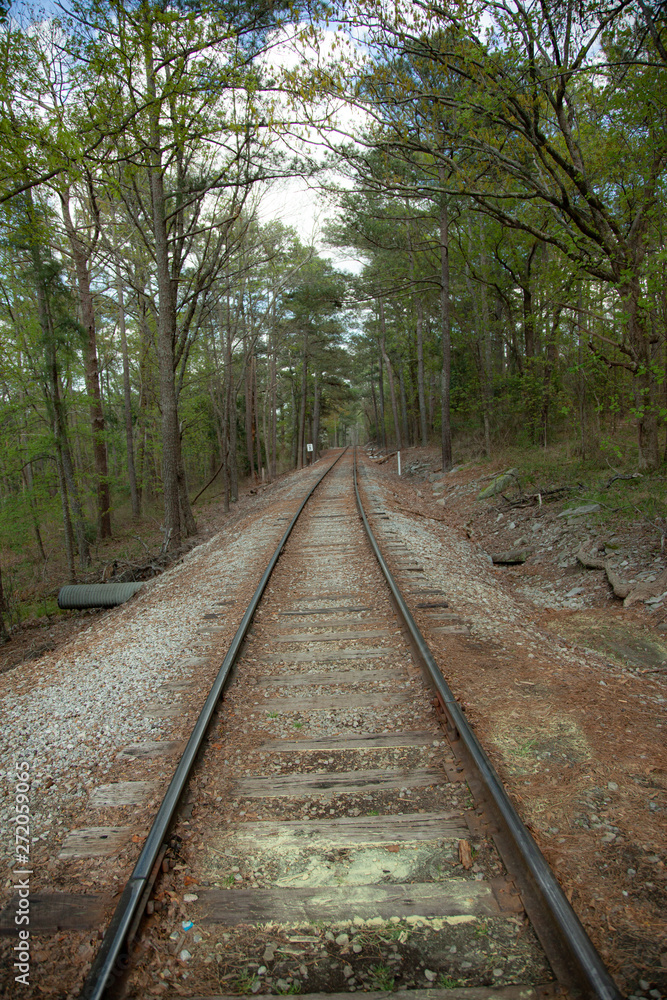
(419, 513)
(632, 475)
(544, 496)
(513, 557)
(217, 473)
(622, 589)
(589, 562)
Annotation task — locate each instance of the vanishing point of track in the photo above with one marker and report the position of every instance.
(348, 811)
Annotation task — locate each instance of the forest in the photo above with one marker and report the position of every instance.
(495, 169)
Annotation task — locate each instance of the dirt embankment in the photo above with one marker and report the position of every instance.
(566, 686)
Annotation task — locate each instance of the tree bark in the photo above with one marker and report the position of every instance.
(273, 413)
(404, 405)
(446, 373)
(127, 399)
(383, 429)
(390, 377)
(178, 517)
(80, 256)
(248, 414)
(375, 403)
(420, 376)
(258, 434)
(57, 414)
(316, 418)
(304, 403)
(4, 634)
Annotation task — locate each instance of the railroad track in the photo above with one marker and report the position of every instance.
(333, 826)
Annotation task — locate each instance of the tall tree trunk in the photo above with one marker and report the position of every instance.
(4, 634)
(265, 426)
(375, 404)
(75, 500)
(247, 391)
(645, 356)
(390, 377)
(316, 418)
(551, 360)
(581, 385)
(528, 319)
(29, 485)
(420, 376)
(230, 408)
(420, 352)
(446, 374)
(273, 412)
(295, 426)
(258, 434)
(404, 405)
(487, 363)
(383, 429)
(304, 403)
(177, 512)
(57, 412)
(127, 398)
(80, 256)
(67, 520)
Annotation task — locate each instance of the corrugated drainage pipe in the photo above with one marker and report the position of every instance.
(96, 595)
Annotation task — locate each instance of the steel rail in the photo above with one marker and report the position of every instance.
(573, 957)
(111, 960)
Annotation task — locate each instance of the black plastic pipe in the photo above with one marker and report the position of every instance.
(578, 962)
(110, 963)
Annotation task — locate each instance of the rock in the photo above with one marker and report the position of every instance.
(511, 557)
(500, 483)
(347, 971)
(343, 940)
(587, 508)
(431, 976)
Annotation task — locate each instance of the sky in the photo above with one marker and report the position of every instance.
(297, 201)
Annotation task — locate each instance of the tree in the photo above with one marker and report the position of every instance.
(545, 106)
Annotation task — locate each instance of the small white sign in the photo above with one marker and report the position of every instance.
(309, 447)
